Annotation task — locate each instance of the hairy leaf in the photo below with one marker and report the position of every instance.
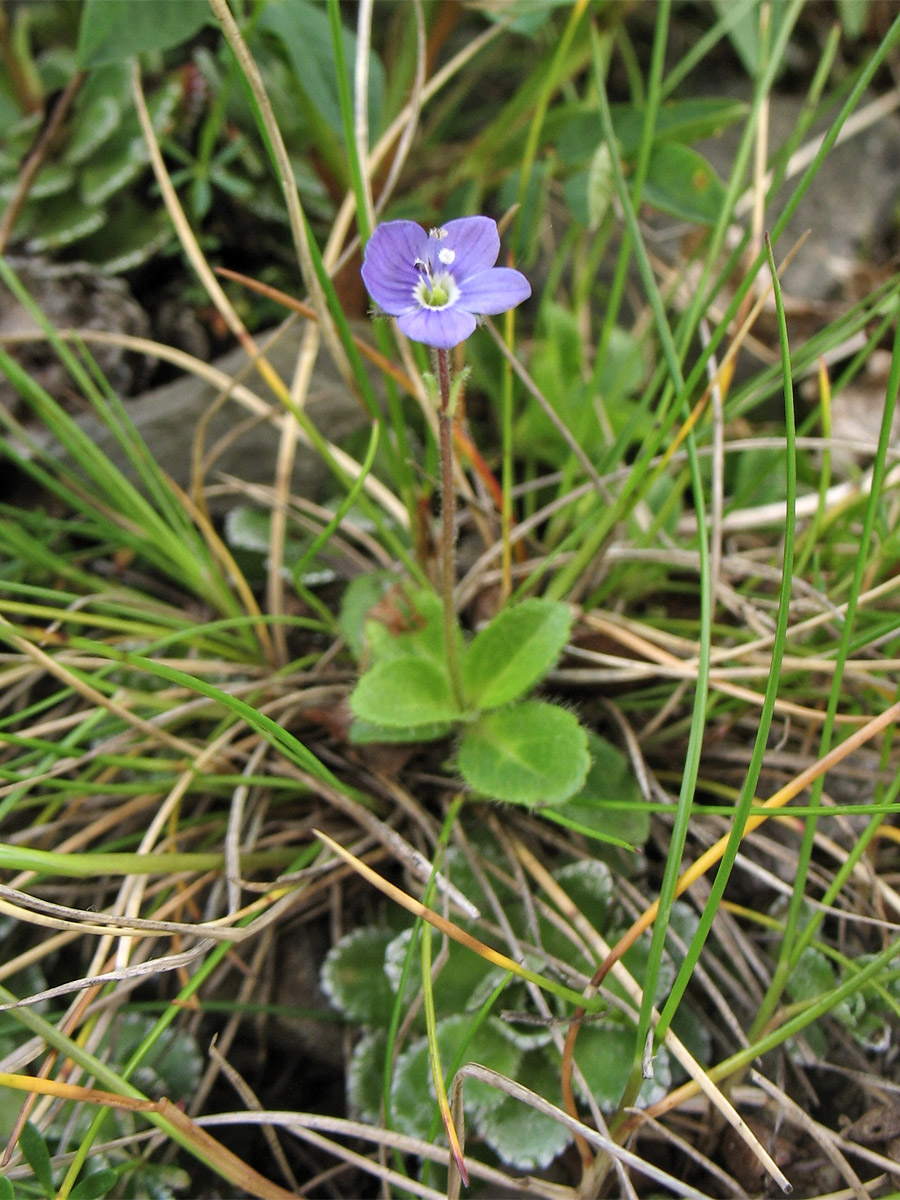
(533, 753)
(511, 654)
(407, 691)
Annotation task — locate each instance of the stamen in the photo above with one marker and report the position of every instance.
(446, 256)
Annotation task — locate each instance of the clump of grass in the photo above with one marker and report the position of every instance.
(706, 931)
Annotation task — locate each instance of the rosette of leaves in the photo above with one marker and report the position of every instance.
(362, 976)
(90, 199)
(84, 202)
(508, 747)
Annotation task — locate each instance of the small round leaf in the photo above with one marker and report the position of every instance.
(532, 753)
(353, 976)
(522, 1136)
(365, 1076)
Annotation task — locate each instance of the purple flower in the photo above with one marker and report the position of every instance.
(436, 283)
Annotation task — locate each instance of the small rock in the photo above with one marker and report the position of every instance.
(849, 208)
(72, 296)
(167, 419)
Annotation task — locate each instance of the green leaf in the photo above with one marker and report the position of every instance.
(359, 598)
(365, 1076)
(636, 959)
(37, 1156)
(458, 867)
(409, 620)
(124, 156)
(96, 122)
(62, 220)
(171, 1066)
(533, 753)
(95, 1185)
(386, 618)
(248, 528)
(744, 33)
(407, 691)
(525, 17)
(516, 995)
(461, 974)
(511, 654)
(52, 179)
(127, 239)
(367, 733)
(605, 1054)
(610, 778)
(758, 477)
(6, 1189)
(812, 977)
(305, 35)
(683, 121)
(623, 372)
(116, 29)
(558, 369)
(523, 1137)
(353, 976)
(487, 1046)
(155, 1181)
(588, 883)
(682, 183)
(110, 82)
(412, 1092)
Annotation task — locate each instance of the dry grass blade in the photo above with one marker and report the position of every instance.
(441, 923)
(206, 1147)
(390, 1139)
(782, 797)
(153, 966)
(824, 1138)
(539, 1104)
(674, 1044)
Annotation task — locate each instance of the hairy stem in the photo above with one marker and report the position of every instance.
(447, 535)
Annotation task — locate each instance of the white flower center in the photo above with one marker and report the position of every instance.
(436, 291)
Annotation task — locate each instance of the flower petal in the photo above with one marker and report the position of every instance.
(494, 291)
(441, 328)
(389, 269)
(475, 243)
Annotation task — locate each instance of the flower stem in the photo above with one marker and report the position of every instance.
(447, 535)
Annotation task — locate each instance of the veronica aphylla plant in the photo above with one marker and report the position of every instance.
(425, 680)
